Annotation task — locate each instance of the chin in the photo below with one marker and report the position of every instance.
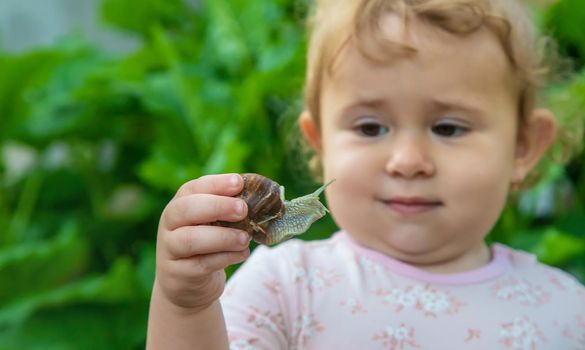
(411, 243)
(413, 251)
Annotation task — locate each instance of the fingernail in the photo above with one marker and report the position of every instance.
(234, 180)
(239, 208)
(243, 238)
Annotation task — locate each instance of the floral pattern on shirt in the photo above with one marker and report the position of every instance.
(272, 321)
(274, 287)
(575, 331)
(243, 344)
(354, 305)
(520, 291)
(397, 338)
(472, 334)
(429, 300)
(521, 334)
(306, 327)
(368, 264)
(562, 282)
(315, 278)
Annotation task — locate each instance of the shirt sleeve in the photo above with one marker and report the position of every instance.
(253, 303)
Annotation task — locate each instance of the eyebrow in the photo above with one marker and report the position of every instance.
(455, 105)
(374, 103)
(436, 103)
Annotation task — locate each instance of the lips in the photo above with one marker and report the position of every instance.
(412, 205)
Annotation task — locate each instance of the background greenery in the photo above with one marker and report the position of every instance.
(94, 146)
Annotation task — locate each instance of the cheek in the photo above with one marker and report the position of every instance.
(480, 184)
(485, 174)
(489, 159)
(341, 157)
(349, 169)
(349, 197)
(351, 208)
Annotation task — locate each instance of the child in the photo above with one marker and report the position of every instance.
(424, 113)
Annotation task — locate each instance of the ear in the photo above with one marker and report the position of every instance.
(534, 139)
(310, 131)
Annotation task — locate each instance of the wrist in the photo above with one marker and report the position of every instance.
(172, 326)
(183, 308)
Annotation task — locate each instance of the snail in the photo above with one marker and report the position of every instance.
(272, 219)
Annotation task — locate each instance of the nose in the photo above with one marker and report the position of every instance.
(410, 158)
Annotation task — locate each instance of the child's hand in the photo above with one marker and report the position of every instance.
(191, 255)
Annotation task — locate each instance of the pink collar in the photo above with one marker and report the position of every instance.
(495, 268)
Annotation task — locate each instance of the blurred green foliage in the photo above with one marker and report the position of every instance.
(93, 146)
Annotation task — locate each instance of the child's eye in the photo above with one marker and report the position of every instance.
(449, 130)
(371, 129)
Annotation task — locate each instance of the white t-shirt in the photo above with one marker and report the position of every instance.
(336, 294)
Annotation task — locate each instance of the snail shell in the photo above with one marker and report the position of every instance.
(265, 200)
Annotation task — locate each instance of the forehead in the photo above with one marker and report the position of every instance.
(467, 65)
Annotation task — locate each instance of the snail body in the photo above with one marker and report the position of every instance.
(272, 219)
(299, 215)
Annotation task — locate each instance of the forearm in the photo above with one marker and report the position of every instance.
(170, 327)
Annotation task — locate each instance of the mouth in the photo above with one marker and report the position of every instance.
(412, 205)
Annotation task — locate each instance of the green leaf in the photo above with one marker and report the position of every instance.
(139, 16)
(557, 248)
(19, 75)
(225, 38)
(228, 155)
(88, 326)
(121, 284)
(36, 267)
(188, 103)
(565, 18)
(55, 111)
(163, 172)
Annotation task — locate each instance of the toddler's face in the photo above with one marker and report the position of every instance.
(422, 147)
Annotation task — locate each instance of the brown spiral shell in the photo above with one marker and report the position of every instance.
(263, 197)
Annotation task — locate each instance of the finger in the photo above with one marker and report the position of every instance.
(187, 241)
(221, 184)
(199, 209)
(218, 261)
(201, 265)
